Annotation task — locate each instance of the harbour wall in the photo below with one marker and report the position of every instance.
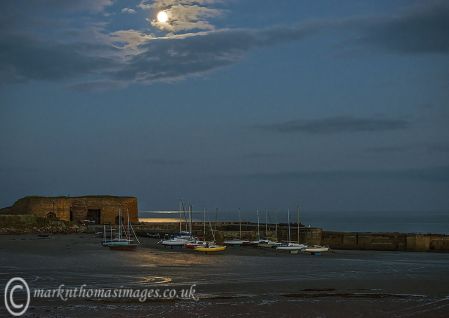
(389, 241)
(386, 241)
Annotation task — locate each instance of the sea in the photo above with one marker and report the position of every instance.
(436, 222)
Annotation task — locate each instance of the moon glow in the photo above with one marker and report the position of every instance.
(162, 17)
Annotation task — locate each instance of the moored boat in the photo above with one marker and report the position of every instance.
(126, 240)
(210, 248)
(235, 242)
(268, 244)
(194, 244)
(316, 249)
(291, 247)
(122, 244)
(177, 241)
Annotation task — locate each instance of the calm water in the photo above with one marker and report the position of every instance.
(392, 221)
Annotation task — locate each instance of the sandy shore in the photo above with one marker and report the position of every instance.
(243, 281)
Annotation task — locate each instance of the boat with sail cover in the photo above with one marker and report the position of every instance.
(178, 240)
(183, 237)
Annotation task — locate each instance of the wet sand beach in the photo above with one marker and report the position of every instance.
(243, 281)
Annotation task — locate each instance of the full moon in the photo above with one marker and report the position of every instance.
(162, 17)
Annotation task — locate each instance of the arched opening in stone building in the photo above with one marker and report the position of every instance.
(51, 216)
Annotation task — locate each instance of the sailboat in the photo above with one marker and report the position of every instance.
(239, 241)
(126, 238)
(183, 237)
(316, 249)
(267, 243)
(256, 242)
(197, 242)
(209, 247)
(293, 248)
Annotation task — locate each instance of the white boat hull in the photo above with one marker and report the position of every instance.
(175, 242)
(291, 247)
(316, 249)
(235, 242)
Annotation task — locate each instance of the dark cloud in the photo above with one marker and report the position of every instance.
(433, 174)
(24, 58)
(422, 29)
(438, 148)
(431, 147)
(334, 125)
(388, 149)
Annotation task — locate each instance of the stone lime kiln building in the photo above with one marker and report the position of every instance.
(98, 209)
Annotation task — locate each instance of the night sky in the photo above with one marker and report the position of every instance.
(334, 105)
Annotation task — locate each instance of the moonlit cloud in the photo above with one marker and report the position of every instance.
(180, 56)
(190, 46)
(184, 15)
(128, 11)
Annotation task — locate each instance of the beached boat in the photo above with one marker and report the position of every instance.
(194, 244)
(210, 248)
(239, 241)
(256, 242)
(122, 244)
(183, 237)
(316, 249)
(289, 246)
(268, 244)
(177, 240)
(235, 242)
(125, 240)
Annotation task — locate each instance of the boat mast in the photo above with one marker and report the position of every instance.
(134, 232)
(288, 219)
(298, 224)
(185, 218)
(180, 216)
(276, 227)
(128, 234)
(266, 223)
(216, 219)
(240, 222)
(276, 231)
(258, 232)
(204, 225)
(119, 224)
(212, 230)
(190, 214)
